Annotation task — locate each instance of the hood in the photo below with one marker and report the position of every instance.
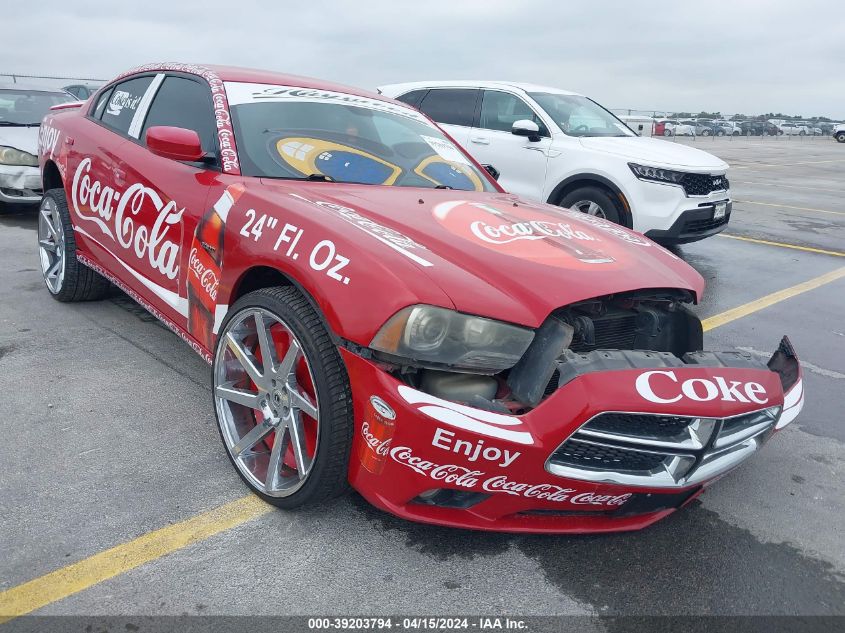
(656, 153)
(499, 256)
(22, 138)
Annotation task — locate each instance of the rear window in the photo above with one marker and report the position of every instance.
(452, 106)
(124, 102)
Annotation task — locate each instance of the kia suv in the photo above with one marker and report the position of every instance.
(564, 148)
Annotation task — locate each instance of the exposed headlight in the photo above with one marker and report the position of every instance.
(656, 174)
(428, 334)
(12, 156)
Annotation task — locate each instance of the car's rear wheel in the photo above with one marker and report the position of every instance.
(840, 136)
(593, 201)
(282, 399)
(65, 277)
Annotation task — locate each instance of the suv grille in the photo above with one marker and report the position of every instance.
(661, 451)
(703, 184)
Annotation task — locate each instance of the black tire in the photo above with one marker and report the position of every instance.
(705, 133)
(603, 198)
(840, 137)
(328, 475)
(80, 283)
(667, 132)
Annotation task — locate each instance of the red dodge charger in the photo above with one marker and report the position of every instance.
(379, 313)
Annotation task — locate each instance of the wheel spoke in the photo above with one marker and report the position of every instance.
(280, 445)
(297, 440)
(302, 402)
(255, 435)
(265, 344)
(49, 222)
(246, 359)
(47, 245)
(286, 367)
(54, 269)
(239, 396)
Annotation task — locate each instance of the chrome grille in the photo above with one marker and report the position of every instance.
(662, 451)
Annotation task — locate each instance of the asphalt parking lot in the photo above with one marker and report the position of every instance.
(118, 498)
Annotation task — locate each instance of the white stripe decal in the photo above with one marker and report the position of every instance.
(180, 304)
(219, 314)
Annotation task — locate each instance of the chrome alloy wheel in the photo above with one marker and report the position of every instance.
(266, 402)
(590, 208)
(51, 245)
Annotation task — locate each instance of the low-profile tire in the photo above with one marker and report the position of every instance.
(593, 201)
(840, 137)
(65, 276)
(277, 374)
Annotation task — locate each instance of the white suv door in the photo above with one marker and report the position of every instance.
(453, 109)
(520, 160)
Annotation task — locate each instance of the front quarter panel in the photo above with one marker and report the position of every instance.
(347, 264)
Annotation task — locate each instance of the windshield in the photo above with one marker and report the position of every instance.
(27, 107)
(579, 116)
(297, 133)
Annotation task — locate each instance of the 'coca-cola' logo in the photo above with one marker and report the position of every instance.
(380, 447)
(206, 275)
(464, 477)
(545, 237)
(115, 213)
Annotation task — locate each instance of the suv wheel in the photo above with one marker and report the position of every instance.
(840, 136)
(593, 201)
(282, 399)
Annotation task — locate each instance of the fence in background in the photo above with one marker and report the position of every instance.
(50, 81)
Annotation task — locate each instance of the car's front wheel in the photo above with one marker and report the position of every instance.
(282, 399)
(66, 277)
(667, 132)
(840, 136)
(593, 201)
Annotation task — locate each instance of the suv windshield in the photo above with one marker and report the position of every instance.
(297, 133)
(27, 107)
(580, 116)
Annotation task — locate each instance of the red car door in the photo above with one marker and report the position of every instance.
(173, 193)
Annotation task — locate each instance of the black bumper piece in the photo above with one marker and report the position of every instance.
(692, 225)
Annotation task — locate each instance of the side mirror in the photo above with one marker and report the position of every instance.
(526, 127)
(494, 173)
(175, 143)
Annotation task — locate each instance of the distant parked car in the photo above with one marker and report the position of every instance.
(22, 107)
(731, 128)
(791, 129)
(839, 132)
(704, 128)
(81, 91)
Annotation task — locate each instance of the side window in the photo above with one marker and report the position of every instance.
(98, 110)
(412, 98)
(124, 102)
(499, 111)
(183, 103)
(452, 106)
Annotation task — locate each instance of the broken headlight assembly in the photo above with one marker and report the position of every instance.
(439, 337)
(15, 157)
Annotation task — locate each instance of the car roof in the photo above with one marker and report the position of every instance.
(253, 75)
(402, 88)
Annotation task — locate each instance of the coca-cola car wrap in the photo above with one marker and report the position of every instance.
(378, 312)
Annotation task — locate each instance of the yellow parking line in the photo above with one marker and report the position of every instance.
(72, 579)
(796, 247)
(808, 162)
(775, 184)
(786, 206)
(76, 577)
(769, 300)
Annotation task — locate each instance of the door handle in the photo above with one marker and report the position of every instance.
(480, 140)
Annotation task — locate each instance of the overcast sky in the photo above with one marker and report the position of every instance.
(744, 56)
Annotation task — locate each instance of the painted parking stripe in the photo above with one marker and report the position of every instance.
(76, 577)
(797, 247)
(72, 579)
(786, 206)
(771, 299)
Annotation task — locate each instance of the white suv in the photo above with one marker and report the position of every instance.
(563, 148)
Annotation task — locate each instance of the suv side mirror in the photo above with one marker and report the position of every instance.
(175, 143)
(526, 127)
(494, 173)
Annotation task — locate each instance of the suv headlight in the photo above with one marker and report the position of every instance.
(656, 174)
(428, 334)
(12, 156)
